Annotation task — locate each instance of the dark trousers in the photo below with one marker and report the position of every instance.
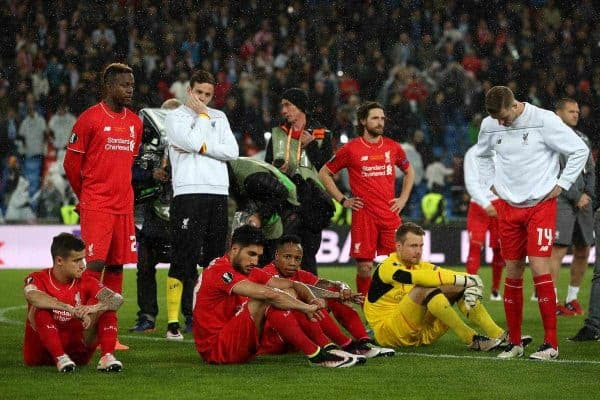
(199, 233)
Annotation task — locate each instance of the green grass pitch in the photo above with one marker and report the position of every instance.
(157, 369)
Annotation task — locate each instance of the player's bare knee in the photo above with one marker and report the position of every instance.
(421, 295)
(452, 293)
(96, 265)
(364, 267)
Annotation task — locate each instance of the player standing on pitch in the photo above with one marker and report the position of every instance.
(527, 142)
(98, 165)
(481, 217)
(371, 160)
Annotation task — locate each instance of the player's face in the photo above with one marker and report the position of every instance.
(289, 111)
(375, 122)
(244, 259)
(506, 116)
(411, 250)
(72, 265)
(204, 92)
(569, 114)
(121, 89)
(288, 259)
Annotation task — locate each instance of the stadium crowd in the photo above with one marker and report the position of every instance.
(428, 62)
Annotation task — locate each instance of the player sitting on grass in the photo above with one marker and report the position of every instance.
(235, 301)
(69, 314)
(410, 301)
(287, 262)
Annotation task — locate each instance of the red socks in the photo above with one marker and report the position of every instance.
(48, 333)
(474, 258)
(362, 284)
(332, 330)
(513, 308)
(107, 332)
(113, 279)
(497, 265)
(349, 319)
(286, 324)
(547, 303)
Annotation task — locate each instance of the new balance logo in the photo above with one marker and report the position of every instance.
(364, 158)
(107, 129)
(544, 248)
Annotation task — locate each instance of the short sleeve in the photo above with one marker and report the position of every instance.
(80, 134)
(401, 159)
(340, 160)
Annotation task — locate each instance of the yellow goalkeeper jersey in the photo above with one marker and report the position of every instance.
(385, 293)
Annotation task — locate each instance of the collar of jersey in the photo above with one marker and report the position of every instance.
(111, 113)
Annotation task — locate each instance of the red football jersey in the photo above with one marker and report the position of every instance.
(372, 174)
(216, 304)
(300, 275)
(76, 293)
(109, 143)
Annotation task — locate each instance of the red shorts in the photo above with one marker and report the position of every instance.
(35, 353)
(108, 237)
(236, 343)
(371, 237)
(526, 231)
(479, 222)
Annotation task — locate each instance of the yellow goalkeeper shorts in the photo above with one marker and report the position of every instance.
(410, 324)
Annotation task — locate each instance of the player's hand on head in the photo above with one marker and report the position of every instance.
(196, 105)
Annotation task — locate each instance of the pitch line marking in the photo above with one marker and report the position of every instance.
(6, 320)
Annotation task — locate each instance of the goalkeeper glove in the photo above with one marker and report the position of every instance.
(468, 281)
(471, 295)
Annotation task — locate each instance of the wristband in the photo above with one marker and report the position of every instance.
(343, 200)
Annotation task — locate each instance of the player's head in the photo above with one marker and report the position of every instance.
(202, 86)
(170, 104)
(370, 118)
(247, 244)
(500, 103)
(68, 253)
(568, 110)
(294, 104)
(409, 243)
(288, 256)
(118, 84)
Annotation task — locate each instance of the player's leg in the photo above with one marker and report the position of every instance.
(480, 316)
(363, 248)
(512, 232)
(96, 232)
(541, 232)
(591, 327)
(497, 259)
(42, 346)
(477, 224)
(581, 254)
(146, 285)
(186, 246)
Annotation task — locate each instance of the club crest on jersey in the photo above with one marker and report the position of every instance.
(184, 223)
(499, 141)
(227, 277)
(131, 131)
(73, 138)
(91, 249)
(357, 247)
(525, 135)
(387, 157)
